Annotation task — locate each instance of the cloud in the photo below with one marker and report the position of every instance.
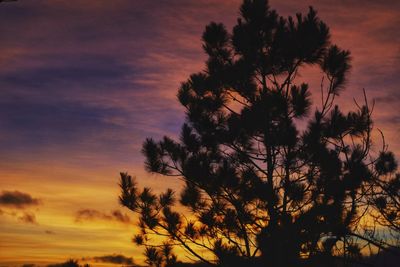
(91, 214)
(28, 217)
(17, 199)
(25, 216)
(114, 258)
(120, 217)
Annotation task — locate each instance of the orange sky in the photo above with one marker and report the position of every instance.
(83, 83)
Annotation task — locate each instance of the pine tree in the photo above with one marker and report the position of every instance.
(258, 190)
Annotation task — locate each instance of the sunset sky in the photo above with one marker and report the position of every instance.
(83, 83)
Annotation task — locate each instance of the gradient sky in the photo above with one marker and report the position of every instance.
(83, 83)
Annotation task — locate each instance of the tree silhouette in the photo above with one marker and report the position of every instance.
(259, 189)
(68, 263)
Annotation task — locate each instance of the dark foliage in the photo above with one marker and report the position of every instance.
(68, 263)
(259, 191)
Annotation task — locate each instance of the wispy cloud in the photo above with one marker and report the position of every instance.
(92, 214)
(114, 259)
(49, 232)
(28, 217)
(22, 216)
